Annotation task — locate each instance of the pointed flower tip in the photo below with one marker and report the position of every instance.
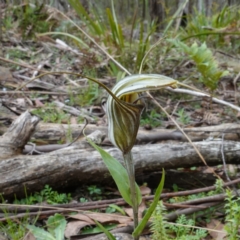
(123, 114)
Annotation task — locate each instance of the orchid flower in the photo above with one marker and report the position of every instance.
(124, 109)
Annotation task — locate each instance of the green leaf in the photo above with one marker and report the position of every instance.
(205, 63)
(82, 13)
(119, 209)
(113, 26)
(56, 225)
(59, 230)
(152, 207)
(118, 172)
(95, 230)
(40, 234)
(80, 42)
(175, 15)
(108, 234)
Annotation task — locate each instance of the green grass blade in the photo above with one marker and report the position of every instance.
(108, 234)
(116, 29)
(113, 12)
(140, 53)
(68, 35)
(120, 36)
(152, 207)
(82, 13)
(176, 14)
(117, 208)
(112, 26)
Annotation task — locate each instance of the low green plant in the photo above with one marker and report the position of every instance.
(205, 63)
(87, 96)
(55, 228)
(226, 16)
(7, 21)
(195, 23)
(17, 53)
(47, 194)
(50, 113)
(98, 26)
(15, 229)
(183, 117)
(32, 19)
(219, 188)
(232, 219)
(83, 200)
(153, 119)
(159, 223)
(110, 210)
(213, 28)
(183, 229)
(95, 192)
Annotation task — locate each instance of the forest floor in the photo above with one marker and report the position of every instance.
(192, 195)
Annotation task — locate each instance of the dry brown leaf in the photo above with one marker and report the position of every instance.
(129, 212)
(101, 217)
(38, 103)
(82, 217)
(145, 190)
(74, 227)
(141, 209)
(216, 225)
(211, 119)
(29, 236)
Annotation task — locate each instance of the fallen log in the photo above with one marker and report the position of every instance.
(79, 163)
(71, 166)
(52, 133)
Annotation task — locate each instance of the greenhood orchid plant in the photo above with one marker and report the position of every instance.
(124, 109)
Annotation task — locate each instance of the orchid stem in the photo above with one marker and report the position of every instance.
(129, 164)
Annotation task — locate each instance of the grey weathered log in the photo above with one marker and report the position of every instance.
(73, 167)
(53, 133)
(17, 135)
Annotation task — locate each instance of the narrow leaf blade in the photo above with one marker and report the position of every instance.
(152, 207)
(108, 234)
